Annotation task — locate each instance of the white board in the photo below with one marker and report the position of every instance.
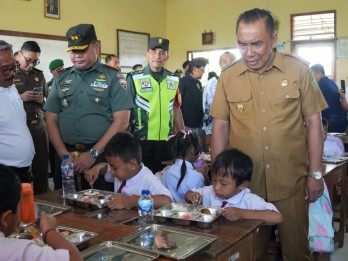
(50, 50)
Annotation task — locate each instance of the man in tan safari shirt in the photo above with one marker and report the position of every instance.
(268, 105)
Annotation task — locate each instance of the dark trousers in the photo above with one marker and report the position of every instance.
(154, 153)
(39, 166)
(22, 173)
(100, 183)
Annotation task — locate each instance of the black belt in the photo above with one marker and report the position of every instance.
(79, 146)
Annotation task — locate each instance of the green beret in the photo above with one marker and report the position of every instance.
(55, 64)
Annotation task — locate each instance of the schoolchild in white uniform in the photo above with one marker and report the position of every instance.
(333, 146)
(231, 174)
(130, 176)
(57, 248)
(183, 175)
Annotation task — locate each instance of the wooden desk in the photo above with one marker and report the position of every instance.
(235, 240)
(334, 174)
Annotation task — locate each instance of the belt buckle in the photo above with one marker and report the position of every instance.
(34, 122)
(75, 154)
(80, 146)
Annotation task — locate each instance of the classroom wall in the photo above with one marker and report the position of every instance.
(182, 21)
(188, 19)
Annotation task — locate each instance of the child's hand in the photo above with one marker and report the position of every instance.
(47, 222)
(119, 201)
(92, 174)
(231, 213)
(193, 197)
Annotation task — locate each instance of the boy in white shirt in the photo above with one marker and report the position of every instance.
(57, 247)
(231, 174)
(130, 176)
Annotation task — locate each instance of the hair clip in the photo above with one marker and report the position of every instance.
(186, 132)
(170, 137)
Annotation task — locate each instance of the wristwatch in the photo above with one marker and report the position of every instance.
(94, 153)
(316, 175)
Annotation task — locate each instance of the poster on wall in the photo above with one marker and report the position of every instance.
(132, 47)
(342, 47)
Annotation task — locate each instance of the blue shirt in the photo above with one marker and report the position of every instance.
(193, 179)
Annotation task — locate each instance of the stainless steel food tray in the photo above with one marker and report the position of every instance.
(110, 250)
(85, 198)
(187, 214)
(187, 242)
(334, 159)
(80, 238)
(49, 208)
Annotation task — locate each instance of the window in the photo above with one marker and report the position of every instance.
(213, 56)
(313, 34)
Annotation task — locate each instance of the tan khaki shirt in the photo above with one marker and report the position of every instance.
(266, 114)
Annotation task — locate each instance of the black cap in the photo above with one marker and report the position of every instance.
(159, 42)
(80, 36)
(198, 62)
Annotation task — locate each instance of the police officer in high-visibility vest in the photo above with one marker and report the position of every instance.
(157, 105)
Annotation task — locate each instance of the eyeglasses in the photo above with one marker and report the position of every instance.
(30, 61)
(7, 71)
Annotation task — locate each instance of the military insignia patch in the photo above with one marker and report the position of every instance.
(123, 83)
(145, 83)
(120, 75)
(171, 85)
(284, 82)
(314, 83)
(102, 76)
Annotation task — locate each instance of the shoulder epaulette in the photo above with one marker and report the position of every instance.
(228, 65)
(109, 67)
(170, 73)
(137, 72)
(297, 58)
(37, 70)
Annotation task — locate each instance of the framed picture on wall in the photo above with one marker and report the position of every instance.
(132, 47)
(52, 9)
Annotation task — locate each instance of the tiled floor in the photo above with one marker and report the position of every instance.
(341, 254)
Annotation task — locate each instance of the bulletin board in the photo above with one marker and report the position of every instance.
(132, 47)
(342, 47)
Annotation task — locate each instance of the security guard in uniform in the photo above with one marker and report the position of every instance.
(30, 83)
(157, 105)
(87, 105)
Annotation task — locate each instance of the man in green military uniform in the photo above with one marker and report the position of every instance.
(87, 105)
(157, 105)
(30, 83)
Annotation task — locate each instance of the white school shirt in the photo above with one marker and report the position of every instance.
(244, 200)
(193, 179)
(26, 250)
(16, 144)
(208, 96)
(143, 180)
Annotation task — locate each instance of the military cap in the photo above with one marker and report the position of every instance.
(55, 64)
(198, 62)
(159, 42)
(80, 36)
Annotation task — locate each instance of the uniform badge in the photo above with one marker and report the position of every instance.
(97, 100)
(102, 76)
(36, 79)
(123, 83)
(65, 103)
(171, 85)
(120, 75)
(314, 83)
(145, 83)
(240, 107)
(284, 82)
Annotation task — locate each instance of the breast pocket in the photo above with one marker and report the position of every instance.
(99, 96)
(240, 103)
(66, 95)
(286, 98)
